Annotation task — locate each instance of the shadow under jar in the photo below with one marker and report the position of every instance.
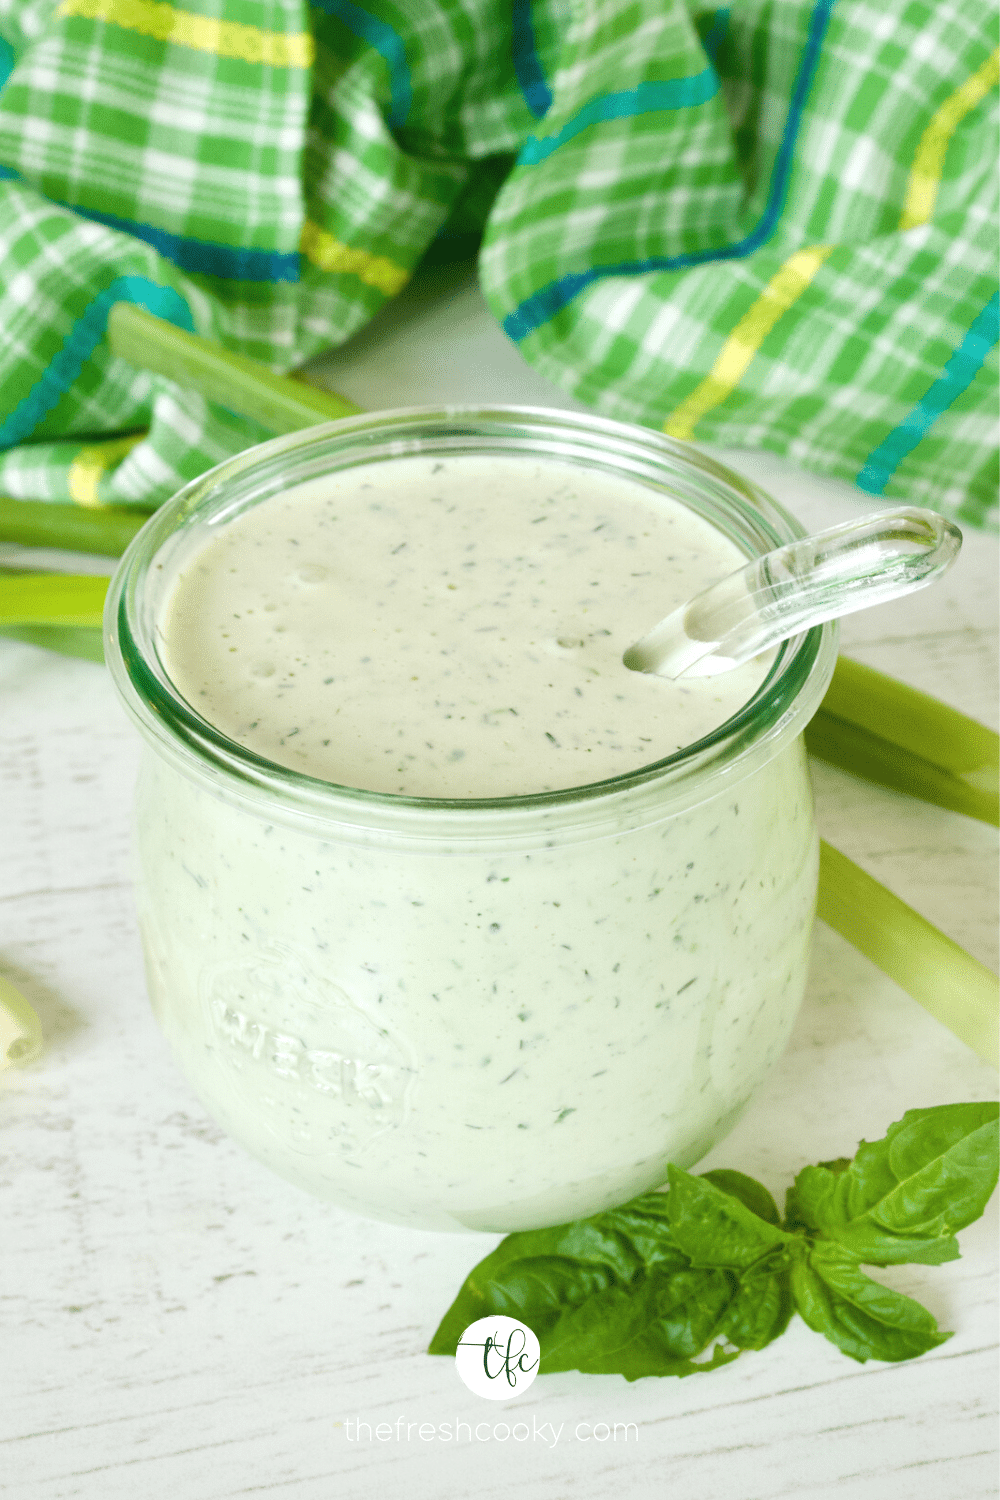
(469, 1011)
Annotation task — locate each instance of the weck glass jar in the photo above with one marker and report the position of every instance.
(489, 1013)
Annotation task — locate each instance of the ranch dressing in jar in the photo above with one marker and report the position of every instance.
(450, 628)
(449, 917)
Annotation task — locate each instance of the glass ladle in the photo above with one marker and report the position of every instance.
(822, 577)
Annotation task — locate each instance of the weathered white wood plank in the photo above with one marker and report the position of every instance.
(175, 1321)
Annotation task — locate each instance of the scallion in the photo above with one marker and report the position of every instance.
(243, 385)
(886, 732)
(52, 599)
(86, 642)
(954, 987)
(20, 1028)
(71, 528)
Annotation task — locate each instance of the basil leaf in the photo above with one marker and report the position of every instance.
(536, 1275)
(713, 1227)
(536, 1290)
(903, 1198)
(656, 1328)
(762, 1304)
(618, 1294)
(662, 1322)
(748, 1190)
(864, 1319)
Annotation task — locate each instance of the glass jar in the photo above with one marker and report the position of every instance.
(471, 1014)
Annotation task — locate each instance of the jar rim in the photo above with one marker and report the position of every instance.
(781, 706)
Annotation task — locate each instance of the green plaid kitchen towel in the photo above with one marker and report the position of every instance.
(771, 225)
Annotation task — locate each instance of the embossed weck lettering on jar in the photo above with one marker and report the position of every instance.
(282, 1035)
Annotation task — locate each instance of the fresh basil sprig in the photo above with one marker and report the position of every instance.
(680, 1282)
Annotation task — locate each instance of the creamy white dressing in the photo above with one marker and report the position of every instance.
(455, 1034)
(450, 627)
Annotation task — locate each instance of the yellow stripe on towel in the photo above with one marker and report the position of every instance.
(330, 255)
(781, 292)
(928, 163)
(167, 23)
(92, 463)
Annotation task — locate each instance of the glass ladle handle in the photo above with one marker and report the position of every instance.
(822, 577)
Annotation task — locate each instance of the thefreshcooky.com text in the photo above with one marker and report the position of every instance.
(549, 1433)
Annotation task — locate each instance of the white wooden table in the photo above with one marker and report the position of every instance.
(174, 1321)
